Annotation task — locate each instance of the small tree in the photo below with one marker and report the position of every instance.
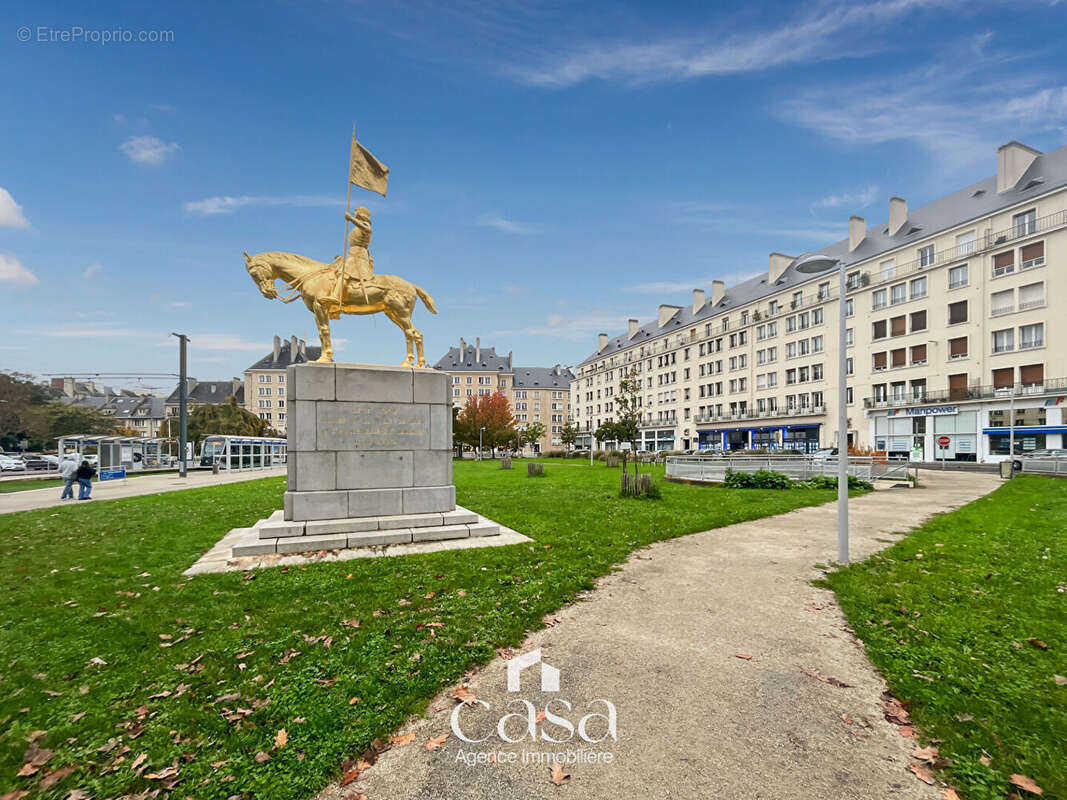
(227, 419)
(569, 434)
(607, 432)
(532, 433)
(628, 406)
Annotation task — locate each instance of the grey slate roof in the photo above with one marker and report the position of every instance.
(490, 361)
(208, 392)
(556, 377)
(285, 357)
(1048, 172)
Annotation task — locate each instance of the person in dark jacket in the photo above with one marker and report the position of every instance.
(85, 475)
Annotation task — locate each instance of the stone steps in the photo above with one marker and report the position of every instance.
(276, 535)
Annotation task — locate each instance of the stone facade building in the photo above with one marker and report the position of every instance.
(536, 394)
(264, 386)
(949, 336)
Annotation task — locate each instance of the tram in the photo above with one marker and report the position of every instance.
(242, 452)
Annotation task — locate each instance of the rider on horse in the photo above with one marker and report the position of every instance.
(357, 262)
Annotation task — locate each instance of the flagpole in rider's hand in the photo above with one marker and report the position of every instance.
(367, 172)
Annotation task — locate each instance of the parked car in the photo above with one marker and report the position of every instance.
(1048, 452)
(9, 464)
(38, 462)
(824, 454)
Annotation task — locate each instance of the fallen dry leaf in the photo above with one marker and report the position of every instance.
(557, 775)
(463, 695)
(349, 776)
(261, 757)
(281, 739)
(1060, 680)
(1040, 645)
(435, 742)
(949, 794)
(402, 739)
(52, 778)
(353, 701)
(166, 772)
(743, 656)
(985, 760)
(925, 753)
(1026, 784)
(922, 773)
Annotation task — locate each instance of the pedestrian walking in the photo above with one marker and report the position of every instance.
(67, 469)
(85, 475)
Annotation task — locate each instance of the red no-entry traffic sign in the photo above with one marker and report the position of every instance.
(943, 441)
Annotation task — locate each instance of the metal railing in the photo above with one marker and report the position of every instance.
(1047, 386)
(712, 468)
(1055, 465)
(806, 411)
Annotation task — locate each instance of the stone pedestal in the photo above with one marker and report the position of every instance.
(369, 462)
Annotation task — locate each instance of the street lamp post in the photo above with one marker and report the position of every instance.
(183, 402)
(811, 265)
(480, 430)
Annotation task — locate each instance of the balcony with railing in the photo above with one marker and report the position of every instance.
(987, 392)
(754, 414)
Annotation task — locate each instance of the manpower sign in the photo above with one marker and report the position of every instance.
(558, 722)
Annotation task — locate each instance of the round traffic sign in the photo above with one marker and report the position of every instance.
(943, 441)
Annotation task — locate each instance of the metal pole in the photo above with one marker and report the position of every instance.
(183, 398)
(842, 427)
(1011, 426)
(480, 443)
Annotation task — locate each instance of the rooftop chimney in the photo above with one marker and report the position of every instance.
(778, 264)
(857, 232)
(277, 347)
(698, 300)
(235, 384)
(462, 350)
(1013, 159)
(601, 341)
(631, 328)
(898, 214)
(666, 312)
(292, 349)
(303, 346)
(478, 349)
(718, 292)
(510, 352)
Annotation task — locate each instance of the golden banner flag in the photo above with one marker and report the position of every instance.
(366, 171)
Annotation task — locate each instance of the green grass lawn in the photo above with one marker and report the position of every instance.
(958, 617)
(201, 673)
(29, 483)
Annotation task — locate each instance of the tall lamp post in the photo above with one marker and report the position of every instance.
(480, 431)
(183, 403)
(813, 265)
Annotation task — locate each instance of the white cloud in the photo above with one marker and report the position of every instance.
(148, 149)
(91, 270)
(227, 205)
(499, 223)
(832, 31)
(960, 107)
(11, 271)
(579, 327)
(860, 199)
(11, 212)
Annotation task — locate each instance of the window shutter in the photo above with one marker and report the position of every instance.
(1031, 374)
(1001, 260)
(1003, 378)
(879, 361)
(918, 353)
(957, 347)
(1032, 251)
(898, 326)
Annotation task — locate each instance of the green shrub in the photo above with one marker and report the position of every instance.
(830, 482)
(760, 479)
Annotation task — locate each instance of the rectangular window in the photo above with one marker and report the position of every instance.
(880, 362)
(824, 291)
(879, 329)
(1033, 255)
(1002, 302)
(850, 307)
(957, 348)
(926, 255)
(918, 354)
(957, 312)
(878, 299)
(957, 277)
(849, 337)
(1032, 374)
(957, 386)
(1004, 378)
(898, 358)
(1004, 340)
(898, 293)
(918, 288)
(1031, 336)
(888, 269)
(1031, 296)
(898, 326)
(966, 243)
(918, 321)
(1024, 224)
(1003, 263)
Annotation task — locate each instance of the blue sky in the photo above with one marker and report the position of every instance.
(555, 167)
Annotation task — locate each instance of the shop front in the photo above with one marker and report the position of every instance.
(803, 438)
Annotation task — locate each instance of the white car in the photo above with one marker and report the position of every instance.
(8, 464)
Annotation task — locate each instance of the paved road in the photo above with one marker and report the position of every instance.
(128, 487)
(660, 639)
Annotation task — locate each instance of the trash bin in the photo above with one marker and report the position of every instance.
(215, 467)
(1007, 468)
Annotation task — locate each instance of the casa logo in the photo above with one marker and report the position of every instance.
(558, 722)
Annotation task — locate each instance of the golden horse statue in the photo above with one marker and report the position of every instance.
(319, 286)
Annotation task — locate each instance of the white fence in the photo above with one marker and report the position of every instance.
(1044, 466)
(797, 467)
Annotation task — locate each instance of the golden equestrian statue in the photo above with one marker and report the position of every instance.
(348, 285)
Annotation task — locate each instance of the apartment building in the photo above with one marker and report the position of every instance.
(536, 394)
(948, 332)
(264, 386)
(205, 393)
(141, 413)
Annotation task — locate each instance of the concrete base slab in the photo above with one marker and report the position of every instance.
(341, 540)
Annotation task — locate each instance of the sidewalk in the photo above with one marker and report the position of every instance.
(661, 638)
(127, 487)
